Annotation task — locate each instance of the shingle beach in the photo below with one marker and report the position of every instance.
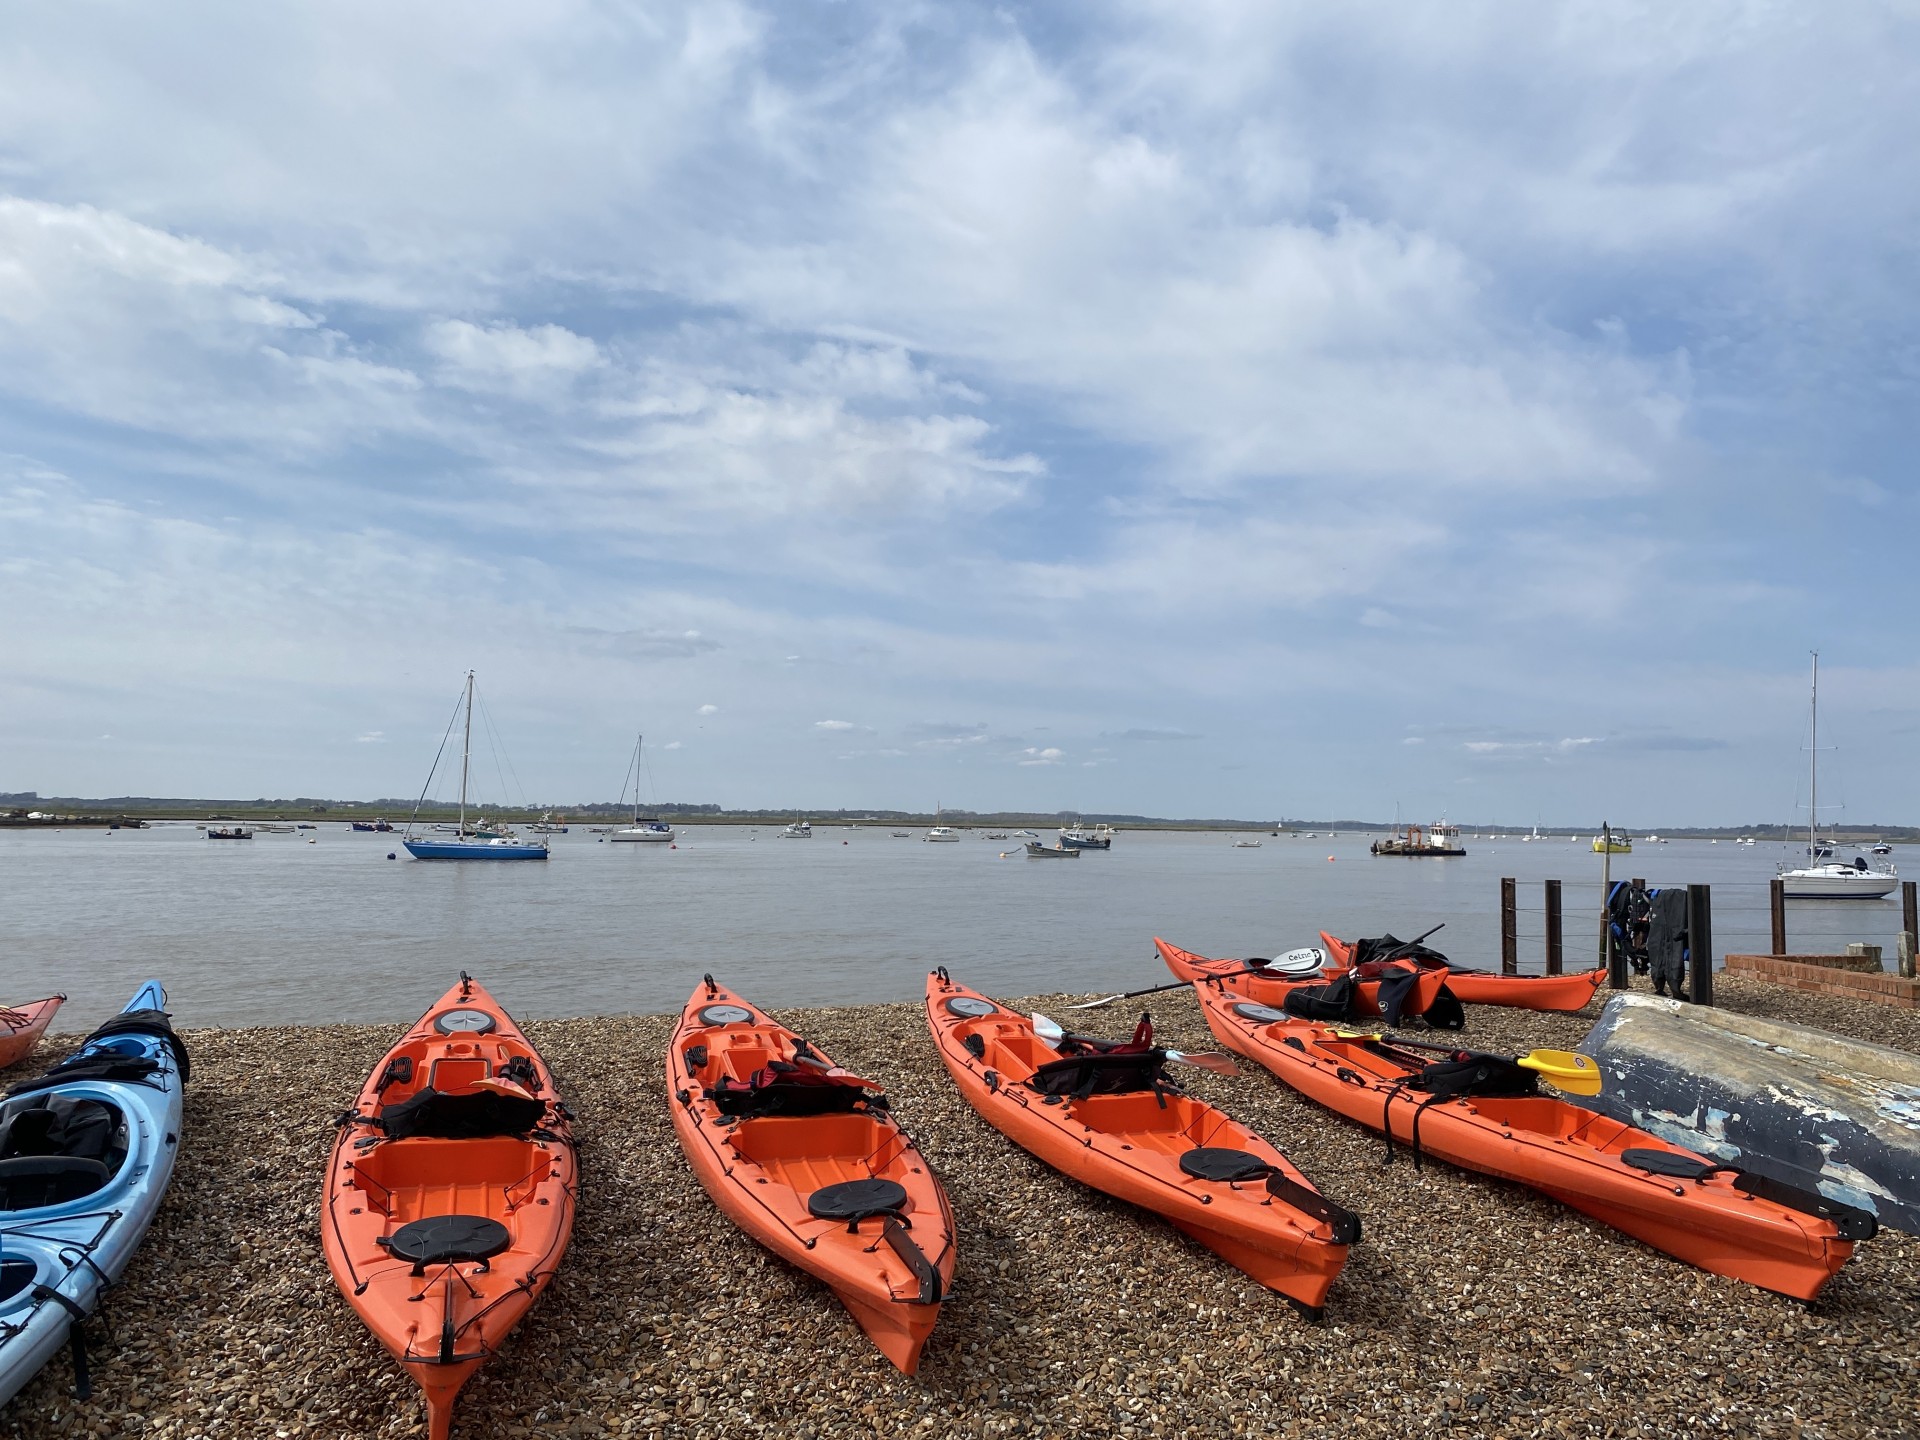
(1471, 1307)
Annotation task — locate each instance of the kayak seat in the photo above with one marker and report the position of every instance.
(1213, 1162)
(1667, 1162)
(59, 1125)
(478, 1115)
(447, 1239)
(857, 1200)
(30, 1182)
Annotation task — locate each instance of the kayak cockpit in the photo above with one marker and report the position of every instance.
(1163, 1121)
(58, 1149)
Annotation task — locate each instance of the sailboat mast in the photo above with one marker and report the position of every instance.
(641, 740)
(466, 754)
(1813, 759)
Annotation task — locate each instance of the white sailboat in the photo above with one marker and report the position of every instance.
(462, 844)
(1814, 881)
(650, 831)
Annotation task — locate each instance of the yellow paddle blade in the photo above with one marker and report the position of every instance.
(1567, 1069)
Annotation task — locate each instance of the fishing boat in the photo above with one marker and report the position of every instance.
(21, 1027)
(798, 830)
(86, 1151)
(1814, 881)
(649, 831)
(482, 845)
(1082, 837)
(450, 1195)
(1037, 851)
(940, 834)
(1486, 1113)
(235, 832)
(1612, 845)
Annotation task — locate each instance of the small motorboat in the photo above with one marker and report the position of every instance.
(1246, 844)
(798, 830)
(228, 833)
(1037, 851)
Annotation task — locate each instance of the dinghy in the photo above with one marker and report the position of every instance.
(1799, 1105)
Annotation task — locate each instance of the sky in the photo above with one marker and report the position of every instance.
(1169, 408)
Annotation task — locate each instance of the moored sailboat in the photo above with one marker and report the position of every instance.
(1832, 881)
(493, 846)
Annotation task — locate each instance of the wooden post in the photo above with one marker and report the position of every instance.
(1700, 943)
(1777, 901)
(1909, 930)
(1509, 928)
(1553, 927)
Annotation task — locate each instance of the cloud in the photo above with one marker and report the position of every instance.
(370, 737)
(1530, 747)
(1048, 756)
(504, 355)
(834, 725)
(1414, 740)
(1149, 735)
(708, 710)
(671, 745)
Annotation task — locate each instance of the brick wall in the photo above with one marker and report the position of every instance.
(1828, 975)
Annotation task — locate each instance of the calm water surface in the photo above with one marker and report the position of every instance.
(277, 931)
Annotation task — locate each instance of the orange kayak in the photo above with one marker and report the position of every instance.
(807, 1160)
(1422, 988)
(1111, 1119)
(22, 1027)
(1488, 1117)
(1564, 993)
(450, 1194)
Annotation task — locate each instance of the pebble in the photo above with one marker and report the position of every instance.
(1473, 1307)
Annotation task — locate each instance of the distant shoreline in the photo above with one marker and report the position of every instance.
(19, 813)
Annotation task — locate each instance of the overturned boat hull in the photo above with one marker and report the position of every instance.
(1798, 1105)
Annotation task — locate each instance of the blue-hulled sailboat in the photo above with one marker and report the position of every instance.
(459, 845)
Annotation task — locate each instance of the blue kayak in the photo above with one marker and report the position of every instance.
(86, 1151)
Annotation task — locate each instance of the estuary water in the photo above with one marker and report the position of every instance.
(279, 931)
